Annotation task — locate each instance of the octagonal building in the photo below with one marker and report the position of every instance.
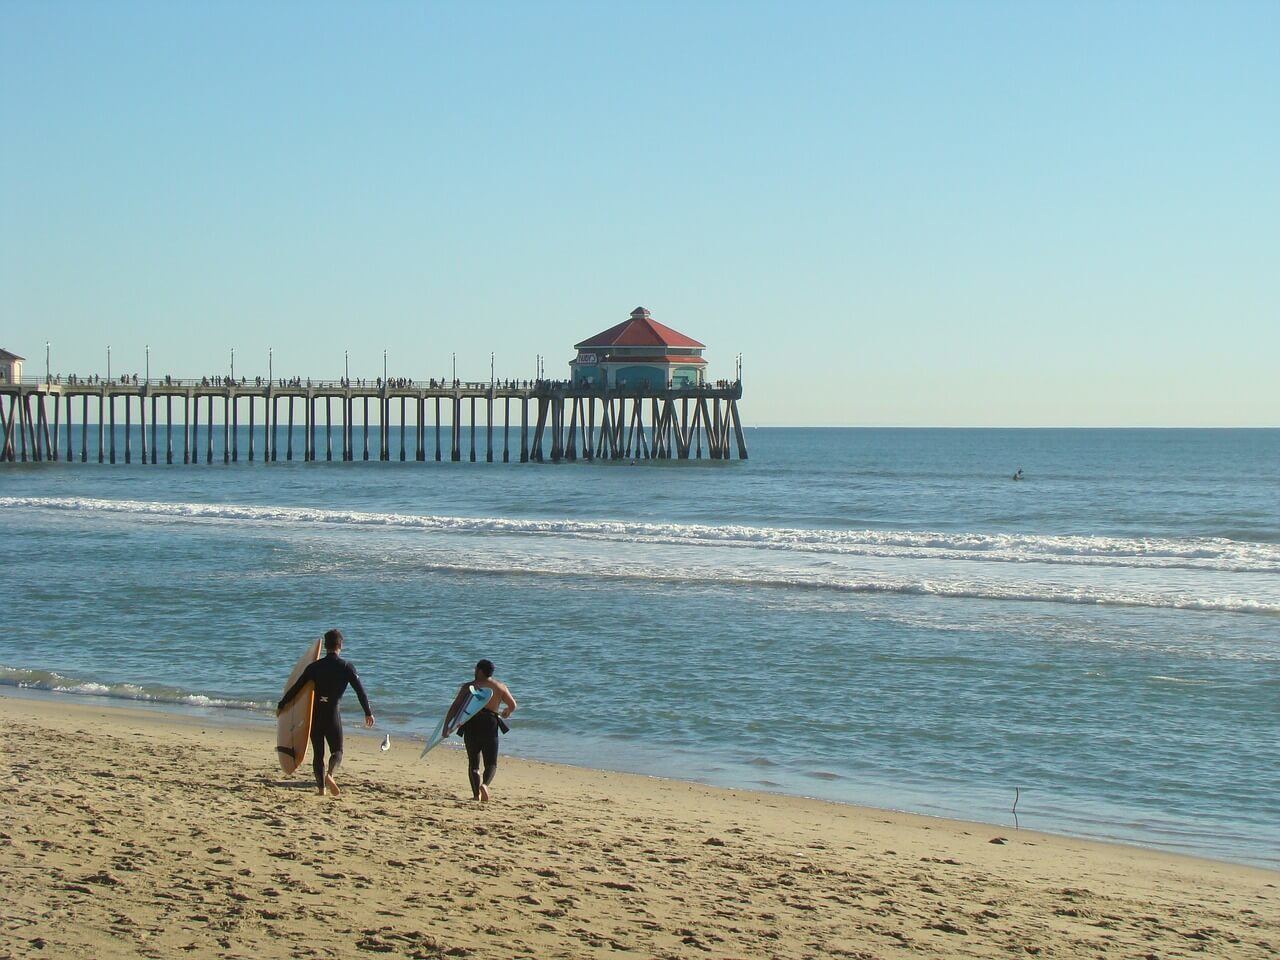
(639, 352)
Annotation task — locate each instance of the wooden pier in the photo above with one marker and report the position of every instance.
(557, 421)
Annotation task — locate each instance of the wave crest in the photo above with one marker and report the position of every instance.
(1196, 553)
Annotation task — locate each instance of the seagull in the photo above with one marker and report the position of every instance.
(386, 743)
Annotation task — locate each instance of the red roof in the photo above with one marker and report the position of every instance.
(639, 330)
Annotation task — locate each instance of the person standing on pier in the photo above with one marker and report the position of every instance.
(331, 676)
(480, 733)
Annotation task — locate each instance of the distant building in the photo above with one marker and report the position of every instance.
(10, 367)
(640, 350)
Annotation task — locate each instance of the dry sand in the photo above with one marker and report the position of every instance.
(129, 833)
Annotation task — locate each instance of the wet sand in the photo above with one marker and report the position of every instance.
(127, 833)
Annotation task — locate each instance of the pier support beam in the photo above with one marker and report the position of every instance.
(275, 428)
(366, 428)
(6, 451)
(24, 425)
(348, 410)
(422, 429)
(24, 413)
(56, 423)
(524, 429)
(456, 454)
(128, 431)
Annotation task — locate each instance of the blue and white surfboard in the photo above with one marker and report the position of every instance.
(476, 700)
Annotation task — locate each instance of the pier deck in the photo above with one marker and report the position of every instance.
(557, 420)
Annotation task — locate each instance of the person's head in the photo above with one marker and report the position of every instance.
(484, 669)
(333, 640)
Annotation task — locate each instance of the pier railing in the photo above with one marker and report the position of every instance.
(279, 383)
(558, 419)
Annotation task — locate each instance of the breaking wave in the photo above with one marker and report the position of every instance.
(1192, 553)
(861, 584)
(52, 682)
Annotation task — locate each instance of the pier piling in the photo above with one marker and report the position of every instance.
(633, 424)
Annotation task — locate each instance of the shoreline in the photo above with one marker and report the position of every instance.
(252, 717)
(161, 832)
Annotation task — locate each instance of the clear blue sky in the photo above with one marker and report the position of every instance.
(900, 213)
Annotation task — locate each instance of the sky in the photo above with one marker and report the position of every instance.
(899, 213)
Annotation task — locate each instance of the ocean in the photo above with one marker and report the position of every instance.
(873, 616)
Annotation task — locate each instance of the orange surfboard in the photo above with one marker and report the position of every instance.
(293, 726)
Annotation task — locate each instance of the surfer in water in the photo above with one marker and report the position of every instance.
(331, 676)
(480, 733)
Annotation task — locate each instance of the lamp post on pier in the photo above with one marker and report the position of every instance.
(233, 364)
(491, 369)
(455, 368)
(148, 349)
(384, 367)
(47, 377)
(270, 370)
(108, 363)
(346, 367)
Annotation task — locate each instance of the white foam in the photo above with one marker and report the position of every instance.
(57, 683)
(1206, 553)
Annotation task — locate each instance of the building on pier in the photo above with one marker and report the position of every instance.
(638, 353)
(10, 367)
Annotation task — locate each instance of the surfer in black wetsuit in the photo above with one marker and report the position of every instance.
(480, 733)
(331, 675)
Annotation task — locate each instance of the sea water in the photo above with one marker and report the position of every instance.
(869, 616)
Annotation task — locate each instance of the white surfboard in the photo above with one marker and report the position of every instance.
(475, 701)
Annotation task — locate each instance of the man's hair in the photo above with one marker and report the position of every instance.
(484, 669)
(332, 639)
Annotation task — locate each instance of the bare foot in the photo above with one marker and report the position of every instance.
(484, 793)
(332, 784)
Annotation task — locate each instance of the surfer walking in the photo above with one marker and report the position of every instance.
(480, 733)
(331, 676)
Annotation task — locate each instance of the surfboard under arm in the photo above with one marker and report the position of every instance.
(457, 715)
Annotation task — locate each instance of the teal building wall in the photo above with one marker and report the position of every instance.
(634, 376)
(587, 375)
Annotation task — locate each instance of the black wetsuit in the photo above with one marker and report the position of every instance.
(331, 675)
(480, 734)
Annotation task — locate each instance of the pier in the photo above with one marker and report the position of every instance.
(173, 421)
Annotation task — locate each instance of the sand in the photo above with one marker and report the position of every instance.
(127, 832)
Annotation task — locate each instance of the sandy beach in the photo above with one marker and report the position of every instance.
(126, 832)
